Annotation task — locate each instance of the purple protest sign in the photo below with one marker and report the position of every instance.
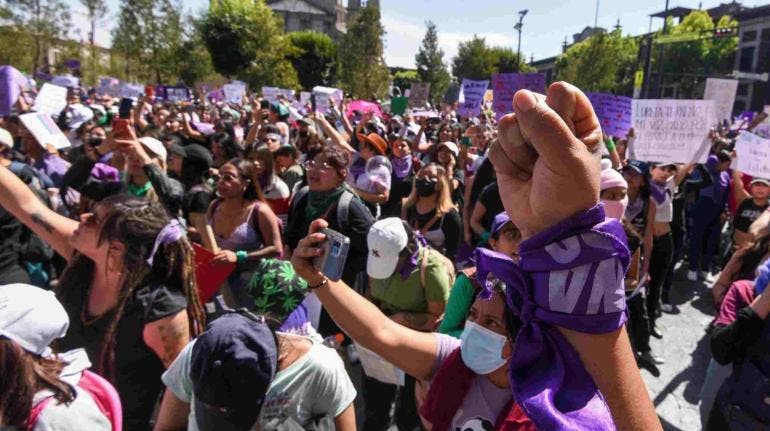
(473, 94)
(505, 85)
(10, 81)
(364, 106)
(172, 94)
(614, 113)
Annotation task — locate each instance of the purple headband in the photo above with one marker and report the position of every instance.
(171, 232)
(569, 276)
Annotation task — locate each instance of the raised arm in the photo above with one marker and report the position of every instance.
(412, 351)
(738, 190)
(20, 201)
(331, 132)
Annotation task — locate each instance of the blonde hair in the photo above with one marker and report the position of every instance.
(443, 191)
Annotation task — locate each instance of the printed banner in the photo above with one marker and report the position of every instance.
(614, 113)
(233, 93)
(671, 131)
(419, 95)
(51, 99)
(471, 97)
(722, 92)
(505, 85)
(326, 97)
(11, 81)
(172, 94)
(42, 127)
(753, 155)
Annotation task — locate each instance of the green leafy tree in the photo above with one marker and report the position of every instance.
(404, 79)
(430, 64)
(604, 62)
(314, 57)
(474, 60)
(688, 63)
(149, 35)
(362, 69)
(45, 21)
(506, 61)
(17, 45)
(96, 10)
(194, 59)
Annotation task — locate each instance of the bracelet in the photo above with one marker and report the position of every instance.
(322, 283)
(241, 256)
(610, 144)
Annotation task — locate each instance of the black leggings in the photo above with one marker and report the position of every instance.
(638, 325)
(660, 261)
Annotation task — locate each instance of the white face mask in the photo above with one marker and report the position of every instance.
(615, 209)
(481, 348)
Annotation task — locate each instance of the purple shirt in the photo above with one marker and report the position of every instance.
(53, 166)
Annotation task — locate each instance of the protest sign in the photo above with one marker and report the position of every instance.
(109, 86)
(378, 368)
(722, 92)
(614, 113)
(425, 114)
(51, 99)
(364, 106)
(45, 131)
(398, 105)
(172, 94)
(131, 91)
(762, 130)
(272, 94)
(233, 93)
(505, 85)
(65, 81)
(209, 276)
(473, 94)
(11, 81)
(326, 98)
(419, 95)
(671, 131)
(753, 155)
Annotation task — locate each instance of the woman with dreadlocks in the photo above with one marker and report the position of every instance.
(129, 288)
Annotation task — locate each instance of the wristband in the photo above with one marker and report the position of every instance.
(484, 236)
(241, 256)
(570, 276)
(322, 283)
(610, 144)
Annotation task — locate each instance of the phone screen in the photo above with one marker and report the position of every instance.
(124, 111)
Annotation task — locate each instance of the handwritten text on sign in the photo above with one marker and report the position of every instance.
(722, 92)
(614, 112)
(473, 92)
(671, 131)
(753, 155)
(505, 85)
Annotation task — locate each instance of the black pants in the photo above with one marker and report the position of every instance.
(660, 261)
(379, 397)
(638, 324)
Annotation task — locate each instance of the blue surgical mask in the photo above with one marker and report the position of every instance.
(481, 348)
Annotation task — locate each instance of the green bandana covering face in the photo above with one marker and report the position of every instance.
(139, 191)
(318, 202)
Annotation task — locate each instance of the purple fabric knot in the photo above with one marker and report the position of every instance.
(569, 276)
(171, 232)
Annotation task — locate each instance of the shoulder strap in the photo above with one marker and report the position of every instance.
(301, 193)
(36, 411)
(424, 266)
(105, 396)
(343, 209)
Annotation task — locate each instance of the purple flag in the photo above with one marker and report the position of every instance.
(614, 113)
(10, 80)
(505, 85)
(570, 276)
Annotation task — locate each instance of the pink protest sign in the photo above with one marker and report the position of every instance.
(364, 106)
(505, 85)
(614, 113)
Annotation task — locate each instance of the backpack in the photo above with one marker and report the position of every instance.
(343, 205)
(102, 392)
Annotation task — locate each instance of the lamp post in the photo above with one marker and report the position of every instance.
(518, 27)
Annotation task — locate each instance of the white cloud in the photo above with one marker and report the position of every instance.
(403, 39)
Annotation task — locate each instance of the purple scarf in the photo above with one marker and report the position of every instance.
(402, 166)
(571, 276)
(410, 264)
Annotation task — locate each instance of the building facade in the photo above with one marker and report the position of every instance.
(752, 59)
(330, 17)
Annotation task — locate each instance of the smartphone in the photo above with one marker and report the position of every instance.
(120, 128)
(335, 253)
(312, 103)
(466, 141)
(124, 110)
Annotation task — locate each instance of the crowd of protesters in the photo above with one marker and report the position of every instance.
(512, 296)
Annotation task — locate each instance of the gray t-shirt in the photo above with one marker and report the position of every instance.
(483, 402)
(315, 386)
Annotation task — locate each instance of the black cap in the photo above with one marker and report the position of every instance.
(232, 365)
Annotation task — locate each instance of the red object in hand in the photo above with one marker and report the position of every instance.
(149, 91)
(209, 276)
(120, 128)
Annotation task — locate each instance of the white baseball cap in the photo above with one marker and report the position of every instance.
(155, 146)
(451, 146)
(6, 138)
(31, 317)
(385, 240)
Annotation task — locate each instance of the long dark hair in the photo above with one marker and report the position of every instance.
(24, 374)
(136, 223)
(753, 258)
(248, 171)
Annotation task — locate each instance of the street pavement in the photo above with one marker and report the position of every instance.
(685, 348)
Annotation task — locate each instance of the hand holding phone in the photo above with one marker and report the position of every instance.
(120, 128)
(335, 252)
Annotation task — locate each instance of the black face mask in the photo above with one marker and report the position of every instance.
(425, 187)
(95, 142)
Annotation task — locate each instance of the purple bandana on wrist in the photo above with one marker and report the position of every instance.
(569, 276)
(171, 232)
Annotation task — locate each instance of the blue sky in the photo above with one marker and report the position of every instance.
(544, 30)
